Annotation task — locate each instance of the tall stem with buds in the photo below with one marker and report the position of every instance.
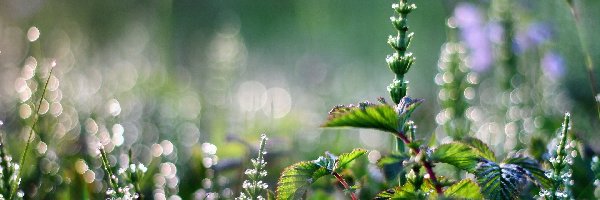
(254, 187)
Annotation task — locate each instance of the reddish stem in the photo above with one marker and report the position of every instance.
(425, 163)
(345, 184)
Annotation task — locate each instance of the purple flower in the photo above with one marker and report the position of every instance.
(539, 33)
(535, 35)
(474, 33)
(553, 65)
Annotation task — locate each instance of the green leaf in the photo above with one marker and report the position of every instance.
(480, 148)
(465, 189)
(392, 164)
(296, 179)
(533, 168)
(457, 154)
(407, 191)
(366, 115)
(345, 158)
(504, 181)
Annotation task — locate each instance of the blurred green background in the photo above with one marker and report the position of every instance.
(182, 73)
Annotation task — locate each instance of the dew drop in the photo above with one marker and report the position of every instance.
(33, 34)
(53, 63)
(44, 107)
(113, 107)
(24, 111)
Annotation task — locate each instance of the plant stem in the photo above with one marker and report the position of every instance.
(112, 183)
(345, 184)
(426, 164)
(35, 121)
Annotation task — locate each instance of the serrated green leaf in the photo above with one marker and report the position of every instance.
(480, 148)
(533, 168)
(406, 191)
(457, 154)
(381, 117)
(296, 179)
(465, 189)
(345, 158)
(392, 164)
(504, 181)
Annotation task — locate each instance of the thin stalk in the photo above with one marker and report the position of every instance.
(588, 59)
(561, 156)
(29, 138)
(345, 184)
(112, 183)
(426, 164)
(134, 177)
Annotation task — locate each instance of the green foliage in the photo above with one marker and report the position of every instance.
(296, 179)
(381, 117)
(533, 168)
(457, 154)
(480, 148)
(376, 116)
(502, 181)
(345, 158)
(465, 189)
(406, 191)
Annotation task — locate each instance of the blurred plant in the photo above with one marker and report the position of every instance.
(457, 88)
(561, 162)
(586, 53)
(473, 31)
(254, 188)
(131, 176)
(33, 35)
(8, 173)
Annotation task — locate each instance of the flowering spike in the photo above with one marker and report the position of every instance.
(401, 60)
(255, 187)
(561, 161)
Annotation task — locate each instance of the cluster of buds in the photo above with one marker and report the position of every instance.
(254, 187)
(561, 171)
(132, 176)
(128, 188)
(401, 60)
